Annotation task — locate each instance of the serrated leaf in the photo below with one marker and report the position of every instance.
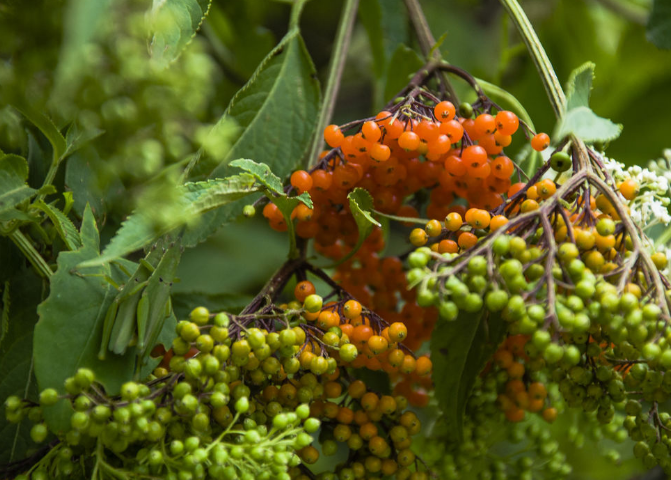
(47, 127)
(67, 335)
(459, 351)
(16, 351)
(659, 24)
(63, 225)
(13, 187)
(262, 173)
(174, 23)
(404, 63)
(588, 126)
(579, 86)
(277, 109)
(77, 137)
(139, 230)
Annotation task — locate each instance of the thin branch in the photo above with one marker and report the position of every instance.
(335, 73)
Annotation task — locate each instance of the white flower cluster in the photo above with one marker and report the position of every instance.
(650, 207)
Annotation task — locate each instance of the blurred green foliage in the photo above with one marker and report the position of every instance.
(147, 122)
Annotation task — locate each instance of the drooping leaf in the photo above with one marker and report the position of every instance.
(63, 225)
(588, 126)
(579, 86)
(139, 230)
(459, 351)
(276, 110)
(403, 64)
(47, 127)
(67, 335)
(174, 23)
(76, 137)
(659, 24)
(13, 187)
(361, 206)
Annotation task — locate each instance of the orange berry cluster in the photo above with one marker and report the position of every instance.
(520, 394)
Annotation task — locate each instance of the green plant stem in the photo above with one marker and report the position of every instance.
(296, 11)
(537, 52)
(21, 241)
(427, 42)
(336, 68)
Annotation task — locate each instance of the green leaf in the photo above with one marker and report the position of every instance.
(659, 24)
(459, 351)
(588, 126)
(16, 351)
(64, 226)
(579, 86)
(93, 182)
(139, 230)
(277, 109)
(361, 206)
(386, 26)
(262, 173)
(13, 188)
(403, 64)
(47, 127)
(174, 23)
(67, 335)
(77, 137)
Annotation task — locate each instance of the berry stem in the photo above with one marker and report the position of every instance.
(336, 68)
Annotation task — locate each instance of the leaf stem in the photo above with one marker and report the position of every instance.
(296, 11)
(336, 67)
(538, 55)
(427, 42)
(21, 241)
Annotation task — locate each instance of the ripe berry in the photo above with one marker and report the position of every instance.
(540, 142)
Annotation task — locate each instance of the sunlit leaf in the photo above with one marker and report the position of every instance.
(276, 110)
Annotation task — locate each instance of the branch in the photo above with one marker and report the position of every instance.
(427, 42)
(335, 73)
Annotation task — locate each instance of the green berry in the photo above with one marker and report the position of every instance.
(200, 316)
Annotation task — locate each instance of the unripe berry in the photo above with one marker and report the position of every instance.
(200, 315)
(313, 303)
(48, 397)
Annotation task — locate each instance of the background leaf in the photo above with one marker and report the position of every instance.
(47, 127)
(68, 333)
(659, 24)
(16, 349)
(277, 109)
(13, 188)
(459, 352)
(174, 24)
(403, 64)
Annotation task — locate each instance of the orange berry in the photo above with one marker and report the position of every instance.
(540, 142)
(303, 290)
(629, 189)
(351, 309)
